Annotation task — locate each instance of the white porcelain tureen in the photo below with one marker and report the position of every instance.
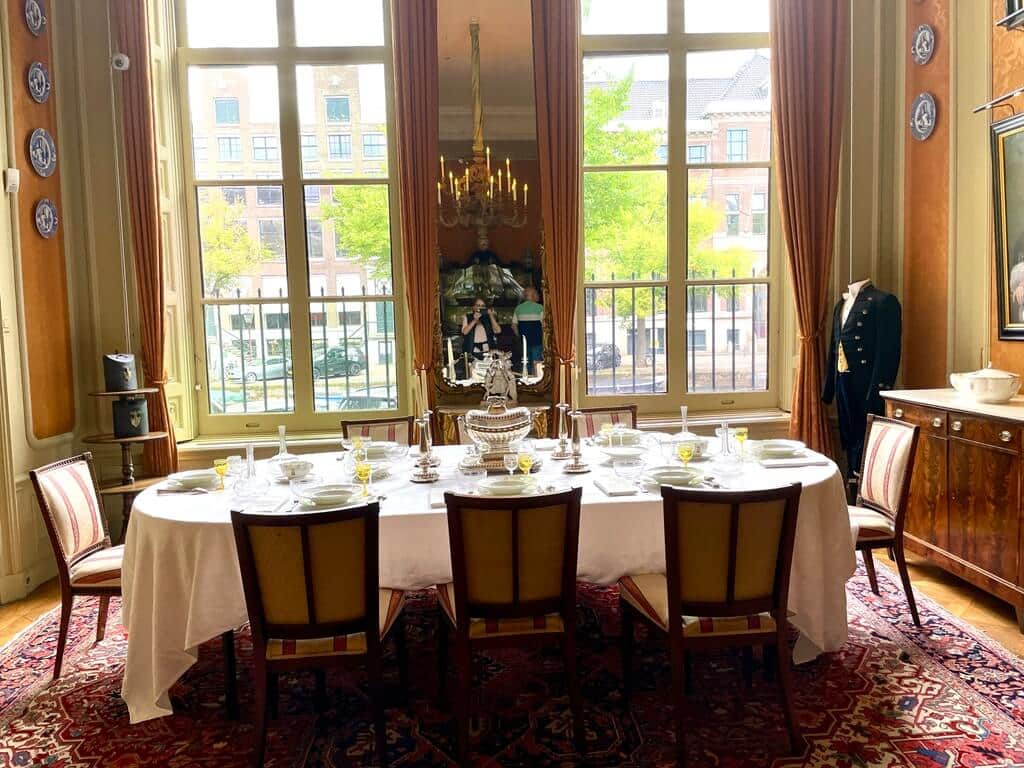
(989, 385)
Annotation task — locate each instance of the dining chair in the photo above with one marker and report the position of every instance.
(312, 593)
(880, 510)
(399, 430)
(87, 563)
(593, 418)
(726, 585)
(513, 585)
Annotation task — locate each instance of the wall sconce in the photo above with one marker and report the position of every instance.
(998, 101)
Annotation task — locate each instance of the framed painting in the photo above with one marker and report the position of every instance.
(1008, 207)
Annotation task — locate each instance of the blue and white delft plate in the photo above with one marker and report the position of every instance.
(923, 114)
(922, 44)
(35, 16)
(38, 82)
(42, 152)
(46, 218)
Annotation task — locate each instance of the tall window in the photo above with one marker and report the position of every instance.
(268, 296)
(676, 280)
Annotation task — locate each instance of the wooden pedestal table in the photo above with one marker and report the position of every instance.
(129, 487)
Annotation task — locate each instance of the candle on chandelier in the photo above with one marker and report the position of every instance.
(508, 170)
(490, 187)
(451, 183)
(515, 190)
(442, 166)
(526, 191)
(488, 161)
(499, 182)
(439, 193)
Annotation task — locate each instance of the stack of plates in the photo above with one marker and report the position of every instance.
(781, 449)
(682, 477)
(621, 437)
(508, 485)
(194, 478)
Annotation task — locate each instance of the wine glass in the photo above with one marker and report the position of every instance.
(741, 437)
(628, 468)
(220, 466)
(685, 453)
(364, 471)
(525, 462)
(511, 461)
(606, 433)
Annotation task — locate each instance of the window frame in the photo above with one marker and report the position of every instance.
(677, 43)
(300, 304)
(745, 144)
(341, 157)
(217, 101)
(348, 108)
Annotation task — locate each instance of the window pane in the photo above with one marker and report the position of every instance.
(235, 111)
(315, 240)
(231, 23)
(625, 109)
(625, 340)
(727, 223)
(339, 22)
(356, 238)
(734, 16)
(727, 331)
(624, 225)
(613, 17)
(344, 109)
(728, 104)
(353, 355)
(240, 240)
(248, 353)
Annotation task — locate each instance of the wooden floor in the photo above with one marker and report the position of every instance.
(993, 617)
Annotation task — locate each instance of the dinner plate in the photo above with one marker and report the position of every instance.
(194, 478)
(623, 452)
(507, 486)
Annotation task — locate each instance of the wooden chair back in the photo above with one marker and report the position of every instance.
(888, 458)
(72, 509)
(514, 557)
(593, 418)
(310, 575)
(729, 554)
(399, 430)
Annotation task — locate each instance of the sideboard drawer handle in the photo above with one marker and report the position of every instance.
(957, 426)
(937, 422)
(1005, 436)
(898, 413)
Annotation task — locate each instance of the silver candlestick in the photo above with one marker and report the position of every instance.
(424, 472)
(563, 450)
(433, 458)
(576, 466)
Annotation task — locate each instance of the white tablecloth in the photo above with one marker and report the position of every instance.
(182, 585)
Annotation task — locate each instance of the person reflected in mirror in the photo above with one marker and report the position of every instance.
(528, 323)
(1016, 280)
(480, 328)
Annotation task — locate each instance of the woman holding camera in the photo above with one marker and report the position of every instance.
(479, 330)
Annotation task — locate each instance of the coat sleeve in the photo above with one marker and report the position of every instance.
(888, 340)
(828, 389)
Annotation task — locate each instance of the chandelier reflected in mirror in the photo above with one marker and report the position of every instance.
(475, 194)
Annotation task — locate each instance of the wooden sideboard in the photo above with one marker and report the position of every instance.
(964, 510)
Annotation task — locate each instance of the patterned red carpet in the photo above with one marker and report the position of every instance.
(939, 697)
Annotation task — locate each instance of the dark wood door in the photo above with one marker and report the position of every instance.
(984, 498)
(927, 508)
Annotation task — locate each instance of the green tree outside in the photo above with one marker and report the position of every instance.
(362, 226)
(229, 251)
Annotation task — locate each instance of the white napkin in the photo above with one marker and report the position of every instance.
(795, 461)
(437, 499)
(615, 486)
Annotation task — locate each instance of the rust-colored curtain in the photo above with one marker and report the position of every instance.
(414, 24)
(810, 45)
(144, 210)
(556, 74)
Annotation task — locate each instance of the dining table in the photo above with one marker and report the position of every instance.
(182, 585)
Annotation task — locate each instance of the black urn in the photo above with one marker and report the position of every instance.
(131, 417)
(119, 373)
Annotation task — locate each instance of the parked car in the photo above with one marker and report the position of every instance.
(339, 361)
(259, 370)
(604, 356)
(361, 399)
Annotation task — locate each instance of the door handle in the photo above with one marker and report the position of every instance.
(898, 413)
(957, 426)
(1005, 436)
(936, 422)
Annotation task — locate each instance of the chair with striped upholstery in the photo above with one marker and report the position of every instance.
(726, 584)
(593, 418)
(397, 430)
(881, 507)
(514, 584)
(87, 564)
(312, 592)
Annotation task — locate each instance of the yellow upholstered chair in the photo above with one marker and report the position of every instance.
(398, 430)
(881, 507)
(312, 593)
(514, 584)
(593, 418)
(726, 583)
(87, 564)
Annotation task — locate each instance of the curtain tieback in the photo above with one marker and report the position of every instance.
(810, 337)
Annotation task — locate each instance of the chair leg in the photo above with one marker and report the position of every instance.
(261, 679)
(901, 566)
(785, 668)
(320, 697)
(869, 566)
(627, 651)
(579, 734)
(377, 709)
(679, 664)
(402, 652)
(101, 618)
(464, 675)
(62, 635)
(273, 695)
(687, 673)
(230, 675)
(748, 666)
(770, 654)
(442, 659)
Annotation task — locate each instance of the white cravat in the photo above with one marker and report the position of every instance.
(850, 297)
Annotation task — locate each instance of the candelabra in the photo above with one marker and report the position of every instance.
(576, 466)
(563, 451)
(424, 473)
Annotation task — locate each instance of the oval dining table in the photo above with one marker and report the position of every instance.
(182, 586)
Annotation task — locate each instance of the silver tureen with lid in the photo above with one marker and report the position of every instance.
(495, 428)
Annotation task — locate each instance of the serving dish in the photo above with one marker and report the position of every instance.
(989, 385)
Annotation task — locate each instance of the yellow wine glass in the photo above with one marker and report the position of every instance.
(741, 434)
(525, 461)
(685, 453)
(357, 443)
(363, 473)
(220, 466)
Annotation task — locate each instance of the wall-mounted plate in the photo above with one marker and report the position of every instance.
(922, 44)
(46, 218)
(35, 16)
(923, 114)
(42, 152)
(38, 82)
